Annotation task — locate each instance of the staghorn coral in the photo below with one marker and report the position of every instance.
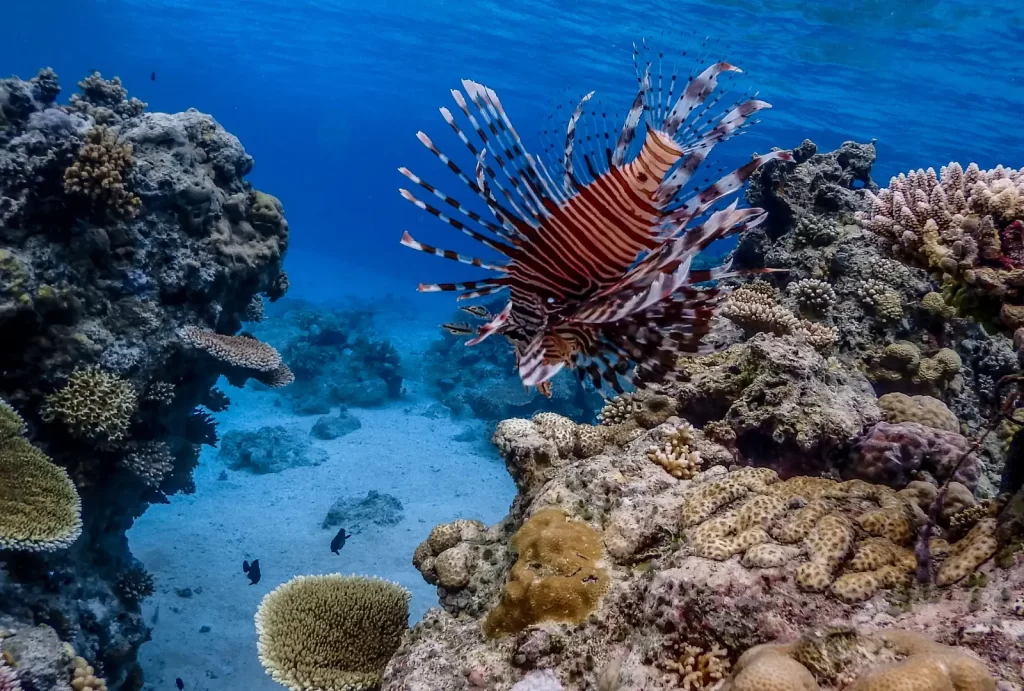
(242, 356)
(331, 632)
(855, 537)
(40, 510)
(149, 461)
(93, 405)
(99, 173)
(928, 411)
(894, 454)
(812, 294)
(134, 584)
(557, 577)
(756, 312)
(677, 453)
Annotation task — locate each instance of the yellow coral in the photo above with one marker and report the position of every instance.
(899, 407)
(100, 173)
(40, 510)
(977, 547)
(676, 454)
(331, 632)
(558, 575)
(93, 405)
(83, 677)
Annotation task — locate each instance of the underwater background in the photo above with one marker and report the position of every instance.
(327, 96)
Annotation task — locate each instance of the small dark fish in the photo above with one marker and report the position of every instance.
(179, 683)
(478, 311)
(254, 572)
(458, 328)
(245, 566)
(339, 541)
(152, 76)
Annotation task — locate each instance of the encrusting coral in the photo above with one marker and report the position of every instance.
(40, 510)
(881, 661)
(93, 405)
(855, 537)
(331, 632)
(931, 412)
(100, 173)
(557, 577)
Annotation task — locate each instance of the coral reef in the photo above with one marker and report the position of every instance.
(118, 229)
(330, 632)
(268, 450)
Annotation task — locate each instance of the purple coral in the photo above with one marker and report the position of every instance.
(895, 454)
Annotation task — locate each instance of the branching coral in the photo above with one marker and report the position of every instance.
(134, 584)
(883, 299)
(40, 510)
(756, 312)
(331, 632)
(699, 669)
(854, 537)
(557, 577)
(8, 678)
(676, 454)
(100, 173)
(964, 224)
(105, 100)
(149, 461)
(254, 310)
(160, 392)
(812, 294)
(619, 409)
(93, 405)
(242, 356)
(816, 231)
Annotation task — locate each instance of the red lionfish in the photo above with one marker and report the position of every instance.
(598, 262)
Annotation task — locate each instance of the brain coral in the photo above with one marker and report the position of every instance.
(931, 412)
(886, 661)
(851, 538)
(40, 510)
(557, 577)
(331, 632)
(93, 405)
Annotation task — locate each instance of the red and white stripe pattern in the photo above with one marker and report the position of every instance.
(599, 274)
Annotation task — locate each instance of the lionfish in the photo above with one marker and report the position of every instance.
(597, 257)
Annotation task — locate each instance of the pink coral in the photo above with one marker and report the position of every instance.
(895, 454)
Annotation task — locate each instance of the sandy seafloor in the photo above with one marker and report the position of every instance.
(199, 541)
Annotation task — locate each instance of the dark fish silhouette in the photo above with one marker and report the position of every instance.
(245, 566)
(152, 76)
(179, 683)
(253, 571)
(478, 311)
(458, 328)
(339, 540)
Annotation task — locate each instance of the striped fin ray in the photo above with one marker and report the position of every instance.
(731, 122)
(492, 204)
(535, 170)
(503, 215)
(493, 326)
(729, 183)
(482, 292)
(408, 241)
(524, 200)
(452, 287)
(694, 95)
(636, 111)
(504, 249)
(570, 182)
(454, 203)
(520, 176)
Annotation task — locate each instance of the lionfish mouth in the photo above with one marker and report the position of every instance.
(596, 253)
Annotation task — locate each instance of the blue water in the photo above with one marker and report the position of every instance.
(327, 95)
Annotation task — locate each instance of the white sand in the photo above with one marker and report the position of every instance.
(199, 541)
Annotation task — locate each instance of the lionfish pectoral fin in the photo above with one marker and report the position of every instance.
(535, 364)
(492, 326)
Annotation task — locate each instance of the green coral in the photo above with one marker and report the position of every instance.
(93, 405)
(331, 631)
(557, 576)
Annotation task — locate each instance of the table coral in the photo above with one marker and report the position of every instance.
(242, 356)
(854, 537)
(330, 631)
